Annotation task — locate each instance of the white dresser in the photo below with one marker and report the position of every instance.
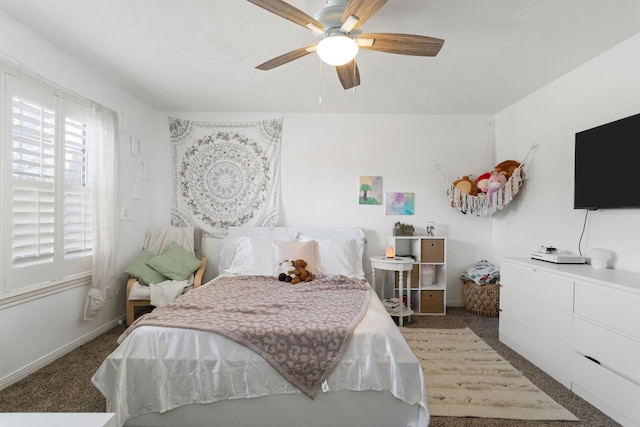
(580, 325)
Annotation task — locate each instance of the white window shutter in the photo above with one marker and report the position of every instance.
(50, 214)
(33, 226)
(77, 200)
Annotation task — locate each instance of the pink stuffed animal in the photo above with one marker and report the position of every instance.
(497, 181)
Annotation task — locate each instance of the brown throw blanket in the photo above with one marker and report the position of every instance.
(302, 330)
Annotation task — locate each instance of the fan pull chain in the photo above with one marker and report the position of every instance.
(354, 77)
(320, 86)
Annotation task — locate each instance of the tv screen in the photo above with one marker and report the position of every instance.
(606, 166)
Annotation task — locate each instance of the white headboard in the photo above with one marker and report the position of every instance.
(291, 233)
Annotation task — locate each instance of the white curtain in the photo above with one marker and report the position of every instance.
(102, 154)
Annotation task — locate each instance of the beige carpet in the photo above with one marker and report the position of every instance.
(467, 378)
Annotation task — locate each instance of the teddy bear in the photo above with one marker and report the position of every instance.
(466, 185)
(508, 166)
(284, 268)
(300, 272)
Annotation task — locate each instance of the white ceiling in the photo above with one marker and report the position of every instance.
(199, 55)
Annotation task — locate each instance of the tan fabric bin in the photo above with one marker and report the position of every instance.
(483, 300)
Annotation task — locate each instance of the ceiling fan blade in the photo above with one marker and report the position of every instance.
(362, 9)
(348, 74)
(287, 57)
(286, 11)
(403, 44)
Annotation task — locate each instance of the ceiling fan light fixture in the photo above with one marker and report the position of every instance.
(337, 49)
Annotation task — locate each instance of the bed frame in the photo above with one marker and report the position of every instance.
(331, 408)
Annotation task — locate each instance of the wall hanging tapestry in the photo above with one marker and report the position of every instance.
(225, 174)
(490, 191)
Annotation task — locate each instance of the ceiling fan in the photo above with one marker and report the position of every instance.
(338, 27)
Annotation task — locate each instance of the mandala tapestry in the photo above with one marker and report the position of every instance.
(225, 174)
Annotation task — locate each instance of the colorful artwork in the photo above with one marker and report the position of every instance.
(399, 203)
(370, 190)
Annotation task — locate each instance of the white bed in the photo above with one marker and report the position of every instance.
(161, 376)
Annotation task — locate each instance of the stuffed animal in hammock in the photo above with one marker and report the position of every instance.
(508, 167)
(466, 185)
(497, 181)
(482, 182)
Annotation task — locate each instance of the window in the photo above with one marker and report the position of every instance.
(46, 199)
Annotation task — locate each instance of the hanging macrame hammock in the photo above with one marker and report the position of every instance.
(485, 204)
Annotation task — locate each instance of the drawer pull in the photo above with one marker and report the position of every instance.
(592, 359)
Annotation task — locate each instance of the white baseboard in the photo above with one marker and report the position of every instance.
(44, 361)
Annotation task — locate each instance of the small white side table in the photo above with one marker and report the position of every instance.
(399, 264)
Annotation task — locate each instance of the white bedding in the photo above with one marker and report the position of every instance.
(162, 376)
(158, 369)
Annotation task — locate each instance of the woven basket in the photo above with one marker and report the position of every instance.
(483, 300)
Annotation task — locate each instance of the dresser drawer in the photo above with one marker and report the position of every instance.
(615, 395)
(548, 287)
(548, 354)
(545, 318)
(610, 307)
(612, 350)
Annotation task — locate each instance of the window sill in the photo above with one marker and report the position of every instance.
(25, 295)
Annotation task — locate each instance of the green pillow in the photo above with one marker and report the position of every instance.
(175, 262)
(140, 270)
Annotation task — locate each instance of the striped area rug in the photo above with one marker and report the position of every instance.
(467, 378)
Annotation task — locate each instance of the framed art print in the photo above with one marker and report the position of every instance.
(370, 190)
(399, 203)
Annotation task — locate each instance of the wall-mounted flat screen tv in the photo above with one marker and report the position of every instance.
(606, 166)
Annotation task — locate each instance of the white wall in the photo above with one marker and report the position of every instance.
(323, 156)
(605, 89)
(35, 332)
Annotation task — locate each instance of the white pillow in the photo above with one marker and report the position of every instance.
(230, 247)
(297, 250)
(253, 256)
(339, 255)
(227, 252)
